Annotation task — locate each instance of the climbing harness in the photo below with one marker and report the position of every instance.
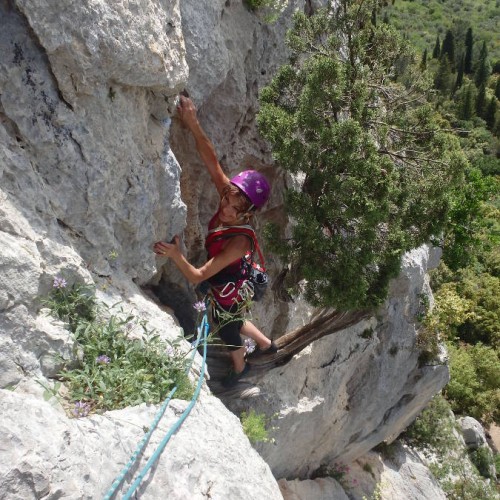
(250, 281)
(203, 329)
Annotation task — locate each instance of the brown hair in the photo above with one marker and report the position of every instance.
(244, 203)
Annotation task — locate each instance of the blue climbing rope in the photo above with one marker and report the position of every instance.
(202, 336)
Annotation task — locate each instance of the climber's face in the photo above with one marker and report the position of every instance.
(231, 209)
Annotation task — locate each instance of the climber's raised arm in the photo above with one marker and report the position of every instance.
(206, 150)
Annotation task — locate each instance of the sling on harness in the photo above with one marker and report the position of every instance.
(243, 279)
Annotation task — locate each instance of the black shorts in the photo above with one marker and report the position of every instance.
(229, 332)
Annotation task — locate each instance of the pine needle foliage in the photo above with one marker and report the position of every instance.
(349, 118)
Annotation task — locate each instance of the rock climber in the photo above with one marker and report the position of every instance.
(240, 197)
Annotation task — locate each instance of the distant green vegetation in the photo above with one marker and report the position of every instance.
(434, 434)
(460, 49)
(423, 20)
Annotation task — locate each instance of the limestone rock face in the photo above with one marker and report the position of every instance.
(402, 476)
(324, 488)
(472, 432)
(351, 390)
(87, 183)
(90, 177)
(94, 168)
(80, 458)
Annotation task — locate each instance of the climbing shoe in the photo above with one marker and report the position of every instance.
(272, 349)
(232, 378)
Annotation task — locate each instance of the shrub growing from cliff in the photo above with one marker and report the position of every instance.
(114, 370)
(349, 118)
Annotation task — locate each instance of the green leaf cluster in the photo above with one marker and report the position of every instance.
(73, 304)
(434, 432)
(139, 371)
(114, 369)
(474, 387)
(349, 119)
(433, 428)
(255, 426)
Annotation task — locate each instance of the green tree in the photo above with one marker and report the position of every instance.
(490, 113)
(462, 237)
(466, 100)
(475, 379)
(423, 64)
(448, 48)
(443, 77)
(497, 89)
(436, 52)
(374, 167)
(483, 69)
(469, 43)
(481, 101)
(460, 74)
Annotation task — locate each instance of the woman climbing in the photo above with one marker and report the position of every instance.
(240, 197)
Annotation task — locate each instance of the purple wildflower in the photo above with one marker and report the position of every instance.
(59, 282)
(102, 359)
(81, 409)
(170, 351)
(249, 346)
(200, 306)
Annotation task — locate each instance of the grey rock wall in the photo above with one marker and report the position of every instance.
(94, 167)
(353, 389)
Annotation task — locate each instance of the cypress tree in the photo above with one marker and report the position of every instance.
(481, 101)
(483, 67)
(490, 113)
(466, 103)
(442, 80)
(468, 52)
(423, 64)
(460, 74)
(437, 49)
(448, 48)
(497, 89)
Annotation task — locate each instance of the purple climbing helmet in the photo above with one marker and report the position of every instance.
(254, 185)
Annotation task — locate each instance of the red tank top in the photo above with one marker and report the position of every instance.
(228, 281)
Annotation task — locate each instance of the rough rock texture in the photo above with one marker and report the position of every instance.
(90, 176)
(472, 432)
(349, 391)
(87, 183)
(402, 476)
(79, 459)
(325, 488)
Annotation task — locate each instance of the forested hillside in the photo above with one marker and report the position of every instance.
(458, 44)
(423, 20)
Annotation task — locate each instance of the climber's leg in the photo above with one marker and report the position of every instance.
(250, 330)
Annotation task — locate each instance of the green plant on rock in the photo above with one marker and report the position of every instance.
(348, 118)
(270, 8)
(115, 369)
(433, 432)
(255, 426)
(433, 428)
(71, 304)
(482, 458)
